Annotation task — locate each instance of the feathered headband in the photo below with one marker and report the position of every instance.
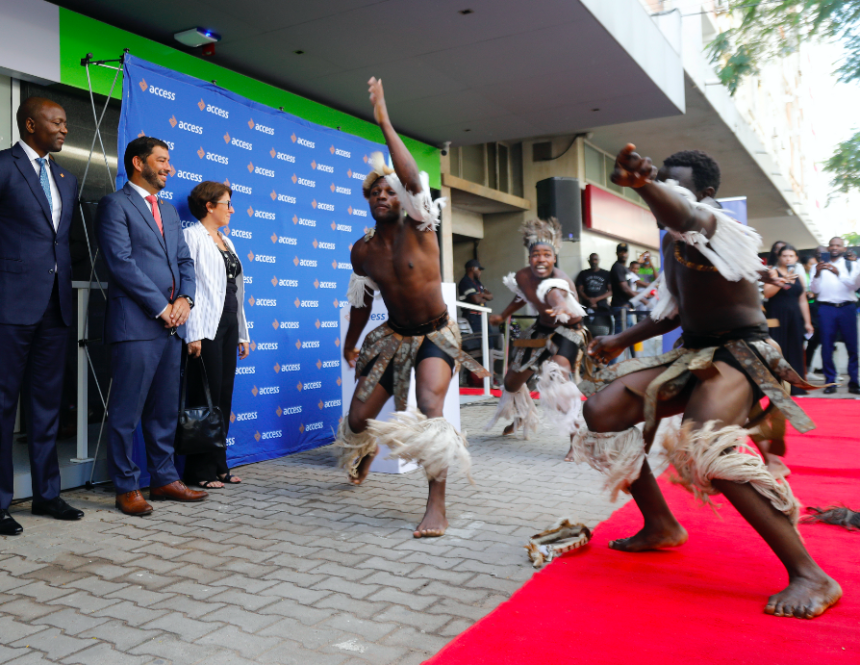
(540, 232)
(379, 169)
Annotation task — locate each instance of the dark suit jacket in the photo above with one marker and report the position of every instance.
(143, 265)
(29, 246)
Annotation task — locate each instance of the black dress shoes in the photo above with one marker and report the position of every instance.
(854, 389)
(8, 526)
(56, 508)
(829, 390)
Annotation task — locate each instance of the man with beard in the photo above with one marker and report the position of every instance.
(716, 379)
(399, 257)
(37, 197)
(550, 346)
(150, 294)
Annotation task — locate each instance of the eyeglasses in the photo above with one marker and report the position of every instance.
(229, 204)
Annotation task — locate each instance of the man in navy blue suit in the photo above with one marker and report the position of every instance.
(37, 197)
(150, 294)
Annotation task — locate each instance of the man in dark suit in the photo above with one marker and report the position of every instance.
(37, 197)
(150, 294)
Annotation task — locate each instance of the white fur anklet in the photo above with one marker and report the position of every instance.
(700, 456)
(618, 455)
(560, 398)
(431, 442)
(353, 447)
(519, 407)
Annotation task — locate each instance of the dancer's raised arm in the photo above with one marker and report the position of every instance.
(403, 161)
(673, 210)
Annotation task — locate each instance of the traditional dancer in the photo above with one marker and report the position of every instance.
(551, 345)
(400, 259)
(726, 365)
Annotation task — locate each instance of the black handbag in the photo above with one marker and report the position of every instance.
(201, 428)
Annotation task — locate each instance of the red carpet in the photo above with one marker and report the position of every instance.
(701, 603)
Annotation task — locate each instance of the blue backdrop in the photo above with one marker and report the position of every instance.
(299, 207)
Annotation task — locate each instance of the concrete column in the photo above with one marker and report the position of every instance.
(446, 228)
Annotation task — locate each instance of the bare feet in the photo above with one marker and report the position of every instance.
(651, 539)
(434, 523)
(363, 468)
(805, 597)
(510, 429)
(569, 456)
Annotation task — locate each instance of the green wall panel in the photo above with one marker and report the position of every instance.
(80, 35)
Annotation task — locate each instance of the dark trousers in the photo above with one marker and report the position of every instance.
(219, 357)
(33, 364)
(811, 345)
(145, 390)
(833, 320)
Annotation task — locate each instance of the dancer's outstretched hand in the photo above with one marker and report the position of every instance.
(377, 98)
(632, 170)
(605, 348)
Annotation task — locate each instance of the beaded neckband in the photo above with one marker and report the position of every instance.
(690, 264)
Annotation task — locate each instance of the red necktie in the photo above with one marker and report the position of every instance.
(156, 213)
(153, 202)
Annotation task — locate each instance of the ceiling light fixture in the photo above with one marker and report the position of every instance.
(197, 37)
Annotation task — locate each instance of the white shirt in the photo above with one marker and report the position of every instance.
(140, 190)
(837, 288)
(56, 199)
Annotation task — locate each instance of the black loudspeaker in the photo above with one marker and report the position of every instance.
(561, 198)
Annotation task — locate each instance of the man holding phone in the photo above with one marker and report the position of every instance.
(834, 284)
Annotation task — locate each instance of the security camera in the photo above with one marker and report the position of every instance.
(446, 146)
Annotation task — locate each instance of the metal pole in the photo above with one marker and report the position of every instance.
(485, 352)
(83, 384)
(507, 346)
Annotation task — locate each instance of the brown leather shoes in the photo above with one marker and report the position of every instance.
(133, 503)
(176, 491)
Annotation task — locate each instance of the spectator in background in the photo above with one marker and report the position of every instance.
(834, 286)
(216, 330)
(647, 271)
(594, 288)
(787, 304)
(773, 255)
(814, 341)
(472, 291)
(621, 291)
(633, 277)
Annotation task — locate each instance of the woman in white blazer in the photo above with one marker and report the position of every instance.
(216, 329)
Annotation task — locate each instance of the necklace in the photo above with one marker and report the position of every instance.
(690, 264)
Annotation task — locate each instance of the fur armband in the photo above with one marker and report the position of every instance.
(358, 286)
(547, 285)
(421, 207)
(734, 247)
(510, 280)
(667, 306)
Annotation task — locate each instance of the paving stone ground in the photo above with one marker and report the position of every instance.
(293, 566)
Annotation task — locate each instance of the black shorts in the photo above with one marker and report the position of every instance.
(727, 357)
(427, 350)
